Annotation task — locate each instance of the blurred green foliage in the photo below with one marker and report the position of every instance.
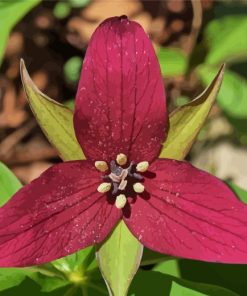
(62, 10)
(232, 96)
(226, 40)
(78, 3)
(15, 9)
(72, 69)
(173, 62)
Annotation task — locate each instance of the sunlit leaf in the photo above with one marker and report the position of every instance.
(169, 267)
(9, 184)
(173, 61)
(28, 288)
(48, 284)
(119, 258)
(10, 277)
(226, 38)
(160, 284)
(178, 290)
(55, 119)
(10, 13)
(232, 96)
(187, 120)
(79, 260)
(241, 193)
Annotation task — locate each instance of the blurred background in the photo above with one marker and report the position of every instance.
(192, 39)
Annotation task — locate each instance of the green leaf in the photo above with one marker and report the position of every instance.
(229, 276)
(72, 69)
(10, 13)
(187, 120)
(232, 97)
(28, 287)
(169, 267)
(9, 184)
(119, 258)
(79, 260)
(178, 290)
(240, 193)
(226, 38)
(47, 283)
(55, 119)
(10, 277)
(173, 61)
(160, 284)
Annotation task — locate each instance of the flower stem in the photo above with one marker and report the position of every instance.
(95, 287)
(70, 291)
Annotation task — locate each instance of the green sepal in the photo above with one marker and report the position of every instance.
(187, 120)
(119, 259)
(55, 119)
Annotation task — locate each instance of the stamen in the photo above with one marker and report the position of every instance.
(142, 166)
(121, 159)
(138, 187)
(120, 201)
(101, 166)
(104, 187)
(122, 185)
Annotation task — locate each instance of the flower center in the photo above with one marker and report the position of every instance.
(121, 178)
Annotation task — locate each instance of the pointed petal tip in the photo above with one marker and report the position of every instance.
(120, 55)
(25, 77)
(22, 63)
(22, 66)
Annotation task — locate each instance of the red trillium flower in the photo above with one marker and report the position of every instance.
(120, 122)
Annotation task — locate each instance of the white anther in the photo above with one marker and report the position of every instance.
(138, 187)
(120, 201)
(121, 159)
(104, 187)
(142, 166)
(101, 166)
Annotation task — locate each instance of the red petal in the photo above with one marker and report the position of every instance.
(120, 103)
(190, 214)
(55, 215)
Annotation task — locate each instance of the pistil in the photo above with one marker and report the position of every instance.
(119, 178)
